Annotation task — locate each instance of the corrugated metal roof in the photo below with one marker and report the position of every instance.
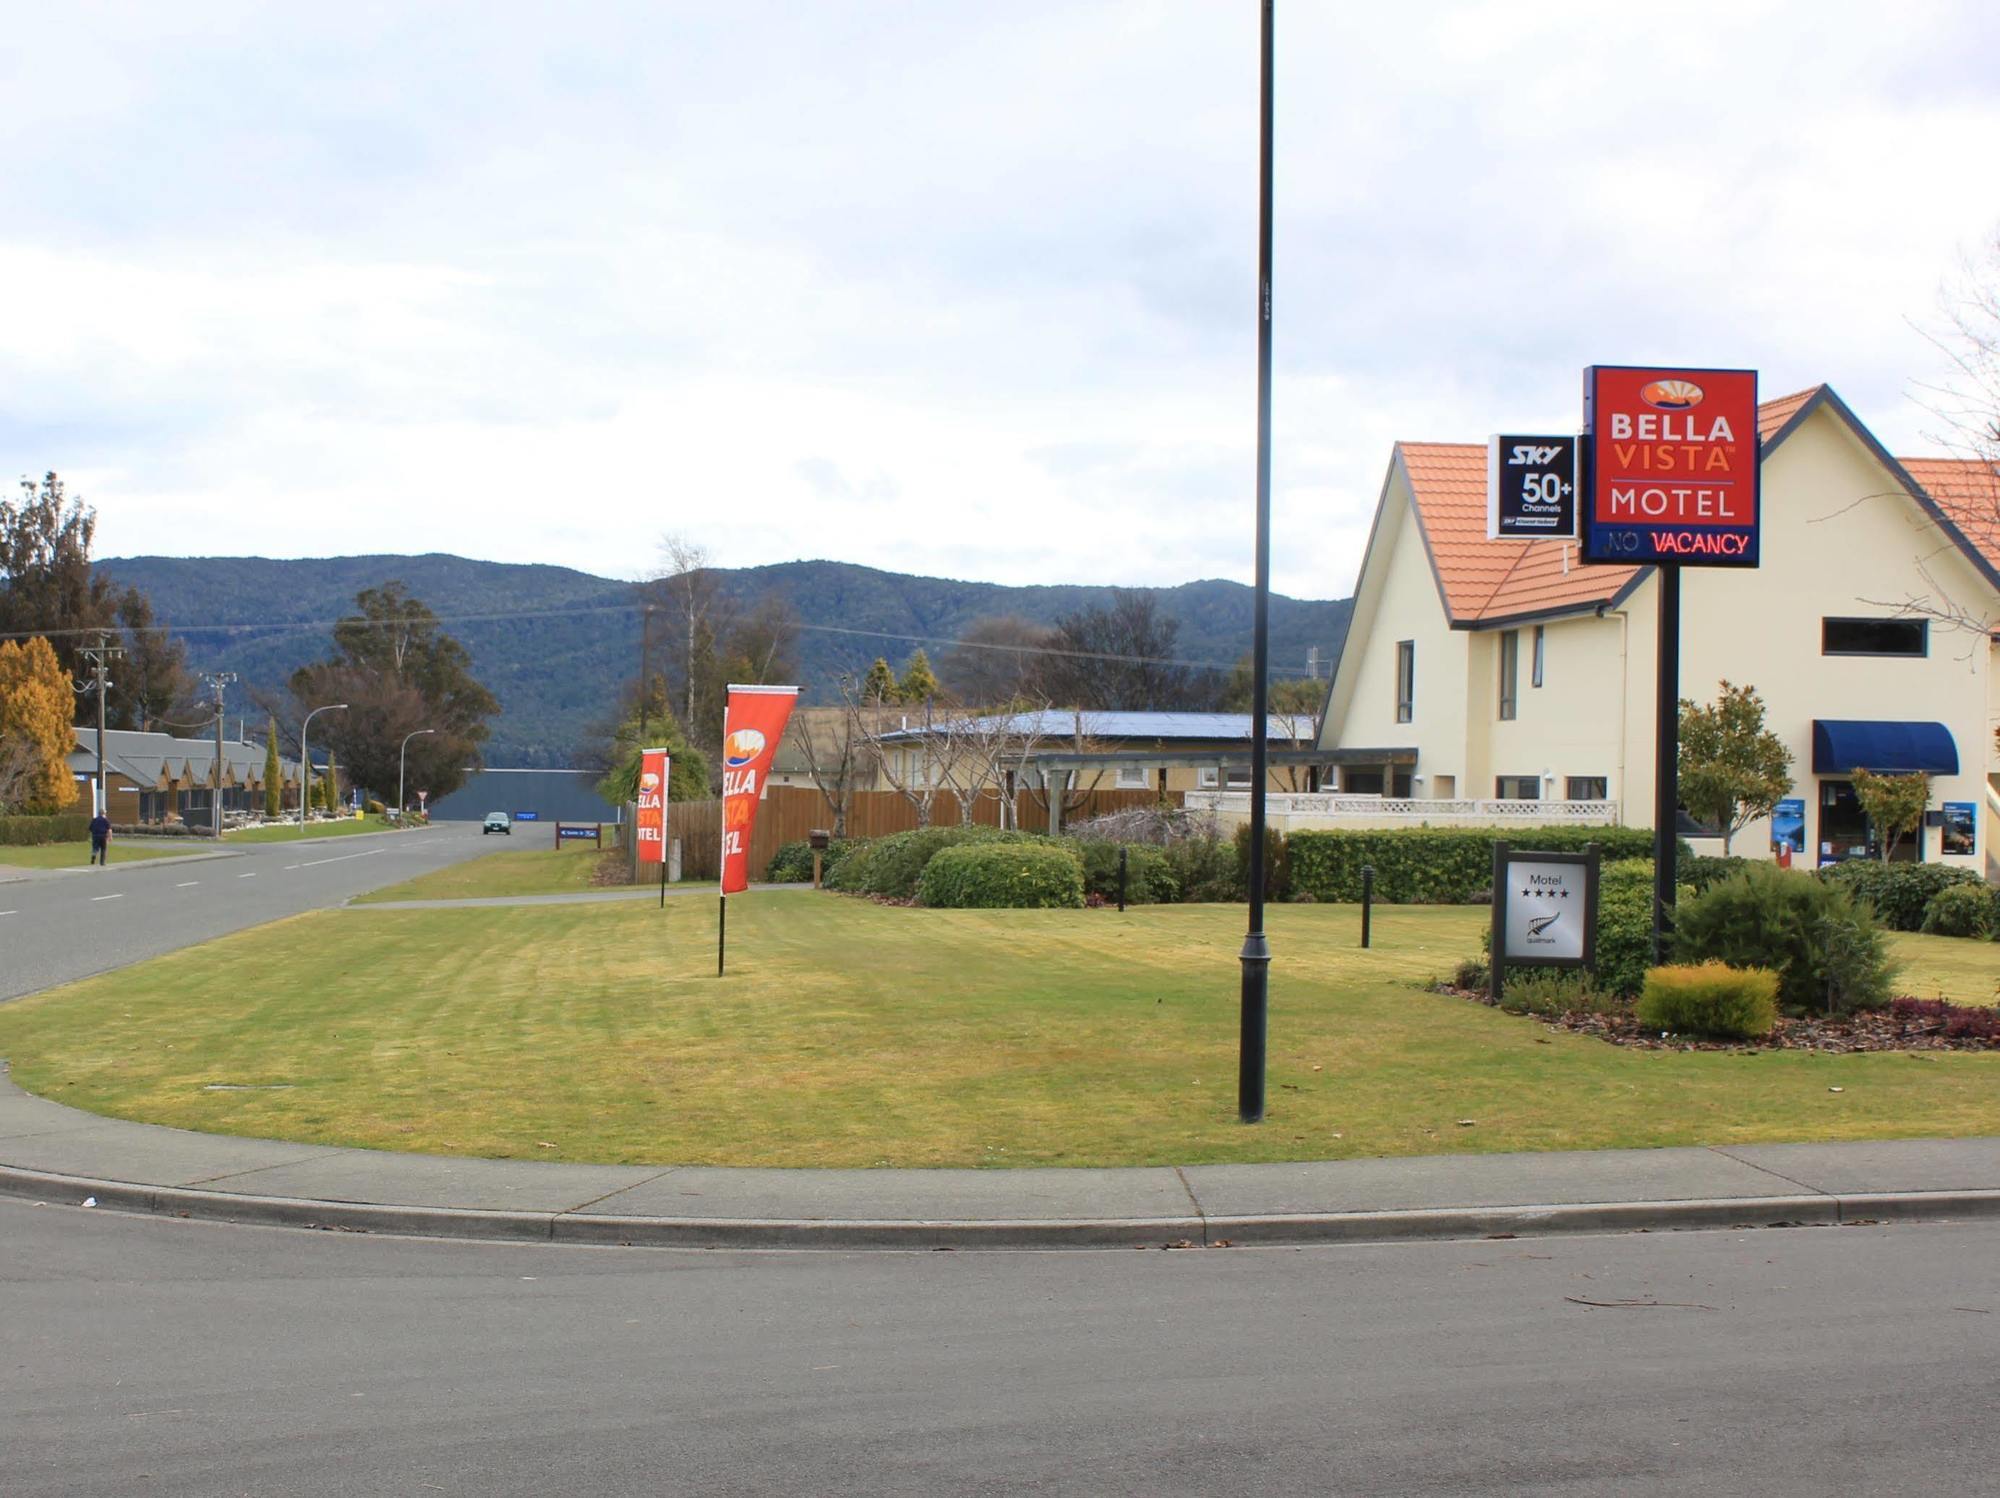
(1061, 723)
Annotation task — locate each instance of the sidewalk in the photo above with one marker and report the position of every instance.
(56, 1154)
(20, 874)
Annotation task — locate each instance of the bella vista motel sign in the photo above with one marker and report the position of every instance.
(1671, 466)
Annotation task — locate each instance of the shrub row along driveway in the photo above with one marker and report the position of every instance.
(853, 1034)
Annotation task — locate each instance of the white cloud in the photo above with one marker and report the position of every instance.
(954, 289)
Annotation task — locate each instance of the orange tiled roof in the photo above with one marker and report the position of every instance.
(1485, 581)
(1968, 491)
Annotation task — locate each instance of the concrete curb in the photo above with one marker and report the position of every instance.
(1812, 1210)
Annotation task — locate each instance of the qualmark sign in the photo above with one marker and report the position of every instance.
(1544, 909)
(1672, 466)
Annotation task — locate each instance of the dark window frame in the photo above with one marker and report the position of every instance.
(1500, 783)
(1510, 675)
(1535, 669)
(1571, 782)
(1406, 681)
(1922, 627)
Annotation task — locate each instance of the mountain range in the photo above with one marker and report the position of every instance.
(556, 645)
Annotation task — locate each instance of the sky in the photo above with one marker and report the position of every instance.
(959, 289)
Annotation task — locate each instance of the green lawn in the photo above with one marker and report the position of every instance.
(76, 855)
(855, 1034)
(1934, 967)
(514, 871)
(288, 832)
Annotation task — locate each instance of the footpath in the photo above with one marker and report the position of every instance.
(58, 1155)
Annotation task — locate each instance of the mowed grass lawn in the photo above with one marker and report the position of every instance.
(853, 1034)
(290, 832)
(76, 855)
(515, 871)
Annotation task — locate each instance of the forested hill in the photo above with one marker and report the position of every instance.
(555, 645)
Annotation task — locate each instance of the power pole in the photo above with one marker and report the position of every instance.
(100, 657)
(216, 681)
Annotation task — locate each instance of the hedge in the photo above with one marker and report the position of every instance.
(892, 865)
(1149, 877)
(793, 862)
(34, 832)
(1438, 865)
(1003, 876)
(1898, 891)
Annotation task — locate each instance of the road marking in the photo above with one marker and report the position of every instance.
(9, 912)
(95, 898)
(290, 866)
(189, 885)
(342, 859)
(246, 876)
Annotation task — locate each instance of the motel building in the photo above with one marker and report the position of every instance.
(1498, 682)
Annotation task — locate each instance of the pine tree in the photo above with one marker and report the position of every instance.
(274, 772)
(879, 685)
(35, 738)
(919, 684)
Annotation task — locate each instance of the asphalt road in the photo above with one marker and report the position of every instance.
(142, 1356)
(69, 925)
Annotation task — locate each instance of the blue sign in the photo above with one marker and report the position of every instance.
(527, 816)
(565, 833)
(1788, 824)
(1961, 823)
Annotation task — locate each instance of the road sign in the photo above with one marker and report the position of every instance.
(1530, 487)
(1671, 463)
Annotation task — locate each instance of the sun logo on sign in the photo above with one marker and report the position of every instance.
(1671, 395)
(742, 746)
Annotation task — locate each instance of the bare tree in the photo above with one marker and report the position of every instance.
(1001, 658)
(1076, 793)
(834, 754)
(687, 589)
(916, 766)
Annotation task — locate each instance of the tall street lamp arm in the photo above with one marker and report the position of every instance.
(305, 759)
(402, 766)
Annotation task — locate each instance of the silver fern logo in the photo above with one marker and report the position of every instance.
(1537, 925)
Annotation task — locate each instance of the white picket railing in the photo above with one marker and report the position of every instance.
(1438, 811)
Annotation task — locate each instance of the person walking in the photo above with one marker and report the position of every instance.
(100, 839)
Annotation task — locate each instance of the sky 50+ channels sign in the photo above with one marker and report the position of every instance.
(1672, 466)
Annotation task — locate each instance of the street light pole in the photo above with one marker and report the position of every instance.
(1256, 956)
(305, 759)
(403, 764)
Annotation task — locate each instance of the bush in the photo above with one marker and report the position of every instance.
(1898, 891)
(33, 832)
(1710, 999)
(1277, 863)
(793, 862)
(1149, 877)
(1550, 992)
(1953, 1021)
(1961, 910)
(1438, 865)
(1699, 871)
(892, 865)
(1825, 945)
(1204, 869)
(1003, 876)
(375, 808)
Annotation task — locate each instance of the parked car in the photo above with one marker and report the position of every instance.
(496, 821)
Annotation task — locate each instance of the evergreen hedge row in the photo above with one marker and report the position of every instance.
(33, 832)
(1437, 865)
(1003, 876)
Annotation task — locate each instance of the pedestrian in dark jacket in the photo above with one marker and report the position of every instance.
(100, 838)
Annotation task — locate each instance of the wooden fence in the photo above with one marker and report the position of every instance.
(790, 812)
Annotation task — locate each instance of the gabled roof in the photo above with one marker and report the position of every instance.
(1487, 583)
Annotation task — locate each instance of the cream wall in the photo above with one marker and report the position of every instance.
(1573, 724)
(1403, 605)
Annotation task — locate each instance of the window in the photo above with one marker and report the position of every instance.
(1518, 788)
(1208, 778)
(1361, 782)
(1510, 673)
(1132, 777)
(1587, 788)
(1874, 637)
(1535, 676)
(1406, 680)
(1239, 778)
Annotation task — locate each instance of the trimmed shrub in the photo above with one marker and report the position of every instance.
(1149, 877)
(1277, 863)
(892, 865)
(1961, 910)
(33, 832)
(1825, 945)
(1003, 876)
(1438, 865)
(1898, 891)
(1710, 998)
(793, 862)
(1700, 871)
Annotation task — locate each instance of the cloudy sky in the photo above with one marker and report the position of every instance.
(944, 287)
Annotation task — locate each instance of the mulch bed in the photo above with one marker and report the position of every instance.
(1877, 1030)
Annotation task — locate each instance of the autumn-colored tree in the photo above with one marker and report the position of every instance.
(36, 705)
(1732, 770)
(1894, 803)
(274, 772)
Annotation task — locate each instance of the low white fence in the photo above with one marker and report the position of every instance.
(1304, 809)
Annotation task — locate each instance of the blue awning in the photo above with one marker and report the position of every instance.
(1841, 746)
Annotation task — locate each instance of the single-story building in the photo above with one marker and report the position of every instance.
(526, 796)
(159, 779)
(1522, 677)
